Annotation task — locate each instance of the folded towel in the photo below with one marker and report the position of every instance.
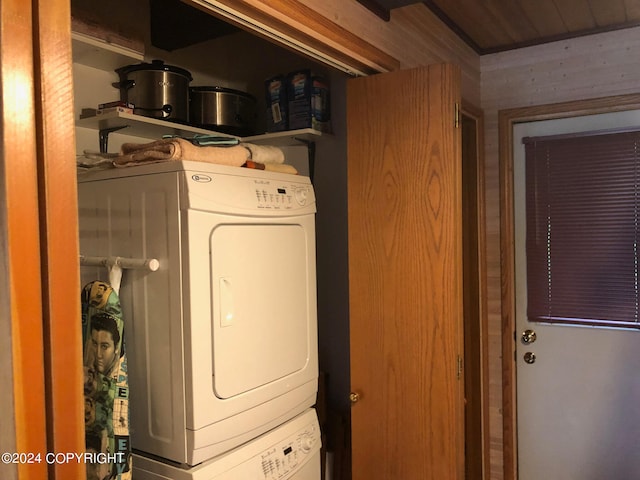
(264, 153)
(91, 160)
(179, 149)
(271, 167)
(282, 168)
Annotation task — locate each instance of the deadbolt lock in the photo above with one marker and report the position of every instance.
(530, 358)
(528, 336)
(354, 397)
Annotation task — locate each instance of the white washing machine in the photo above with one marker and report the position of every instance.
(222, 338)
(289, 452)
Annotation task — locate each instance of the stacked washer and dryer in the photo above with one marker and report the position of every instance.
(222, 338)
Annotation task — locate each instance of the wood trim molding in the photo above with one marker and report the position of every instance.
(506, 120)
(478, 115)
(59, 234)
(23, 363)
(303, 27)
(507, 262)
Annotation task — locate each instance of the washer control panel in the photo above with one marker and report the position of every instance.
(283, 459)
(288, 452)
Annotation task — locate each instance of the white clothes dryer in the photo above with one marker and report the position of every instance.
(288, 452)
(222, 338)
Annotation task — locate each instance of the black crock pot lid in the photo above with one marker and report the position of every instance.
(154, 65)
(222, 90)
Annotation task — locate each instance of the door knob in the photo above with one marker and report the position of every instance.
(530, 357)
(354, 397)
(528, 336)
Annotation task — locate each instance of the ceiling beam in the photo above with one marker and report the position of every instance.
(376, 8)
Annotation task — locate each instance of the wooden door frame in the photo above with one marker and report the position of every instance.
(42, 354)
(23, 428)
(59, 251)
(506, 121)
(481, 370)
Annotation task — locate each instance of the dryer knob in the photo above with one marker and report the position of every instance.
(307, 443)
(301, 196)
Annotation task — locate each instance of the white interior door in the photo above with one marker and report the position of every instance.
(578, 415)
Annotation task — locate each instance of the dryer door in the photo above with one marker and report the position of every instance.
(260, 305)
(251, 354)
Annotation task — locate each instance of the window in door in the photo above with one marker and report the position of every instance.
(582, 200)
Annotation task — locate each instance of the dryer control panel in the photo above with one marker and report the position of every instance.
(282, 197)
(228, 190)
(252, 195)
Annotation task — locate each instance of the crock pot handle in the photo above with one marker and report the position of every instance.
(124, 84)
(166, 110)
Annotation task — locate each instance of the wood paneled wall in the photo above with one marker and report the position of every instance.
(584, 68)
(414, 36)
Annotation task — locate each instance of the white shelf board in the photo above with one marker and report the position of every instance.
(154, 129)
(141, 126)
(286, 138)
(101, 54)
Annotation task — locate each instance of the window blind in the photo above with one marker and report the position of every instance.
(582, 229)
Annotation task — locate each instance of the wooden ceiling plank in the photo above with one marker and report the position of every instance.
(608, 12)
(472, 18)
(632, 9)
(544, 16)
(575, 15)
(511, 17)
(491, 26)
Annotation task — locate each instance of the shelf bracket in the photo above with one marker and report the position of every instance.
(104, 136)
(311, 148)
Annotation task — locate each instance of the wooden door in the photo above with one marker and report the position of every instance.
(405, 275)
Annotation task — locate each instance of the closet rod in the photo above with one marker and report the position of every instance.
(150, 264)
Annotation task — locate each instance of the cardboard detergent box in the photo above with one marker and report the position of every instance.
(308, 101)
(277, 104)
